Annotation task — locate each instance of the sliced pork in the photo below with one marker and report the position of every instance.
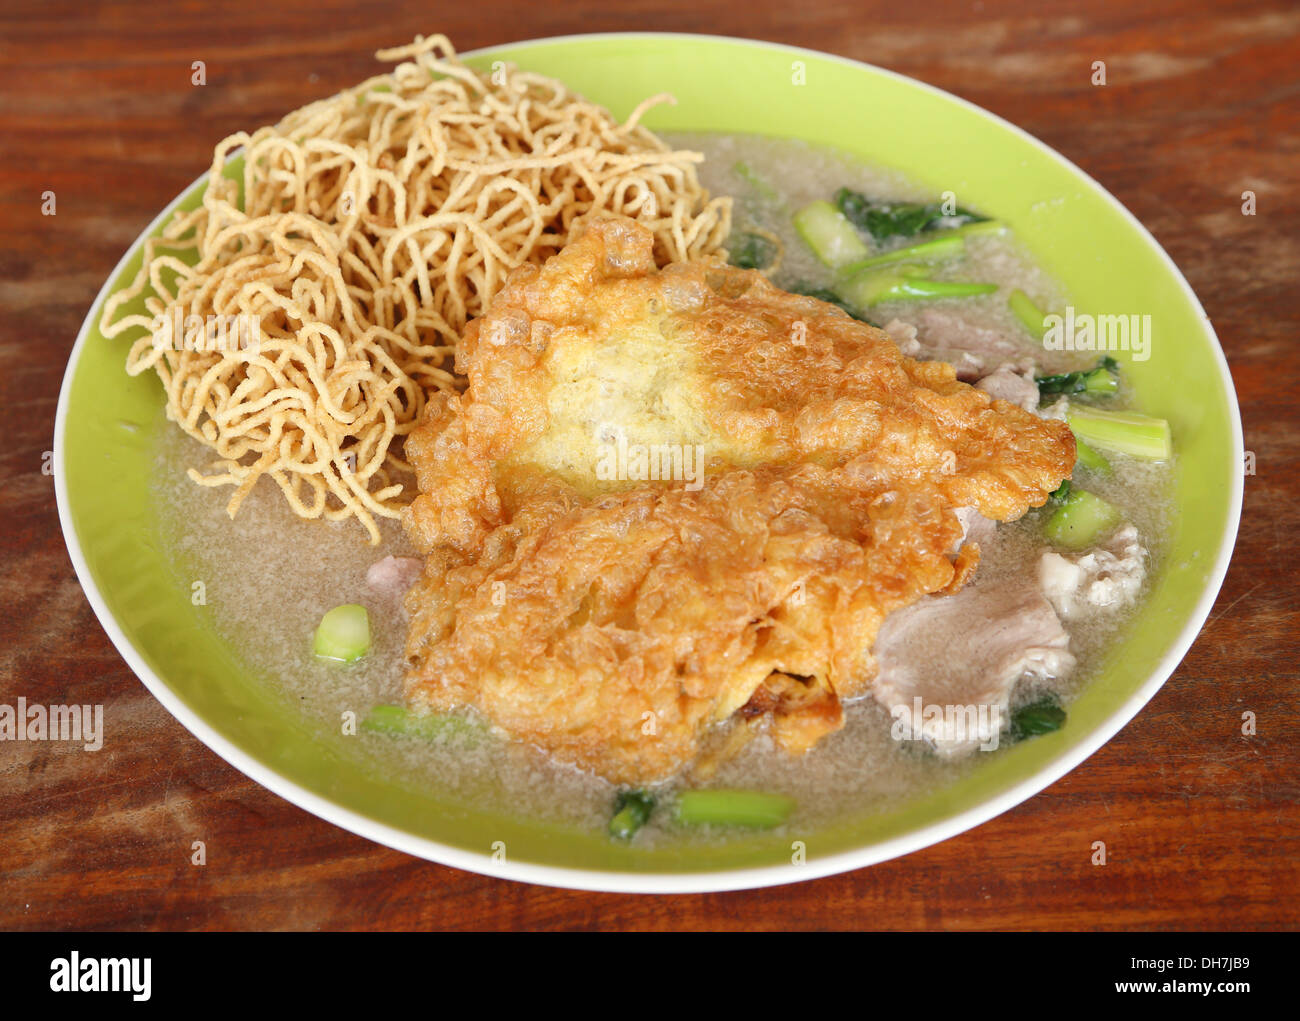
(974, 351)
(1102, 579)
(948, 664)
(392, 576)
(1011, 384)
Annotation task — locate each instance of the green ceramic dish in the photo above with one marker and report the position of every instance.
(105, 436)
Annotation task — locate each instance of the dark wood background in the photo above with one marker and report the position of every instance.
(1202, 103)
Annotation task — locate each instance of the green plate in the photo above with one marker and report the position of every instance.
(105, 435)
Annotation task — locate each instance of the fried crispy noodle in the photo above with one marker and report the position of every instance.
(359, 236)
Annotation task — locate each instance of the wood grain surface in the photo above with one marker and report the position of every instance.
(1202, 103)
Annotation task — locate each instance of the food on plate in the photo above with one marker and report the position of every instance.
(713, 481)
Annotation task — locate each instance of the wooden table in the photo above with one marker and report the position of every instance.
(1202, 102)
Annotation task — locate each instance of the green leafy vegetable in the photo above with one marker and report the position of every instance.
(884, 220)
(1038, 717)
(1103, 378)
(751, 251)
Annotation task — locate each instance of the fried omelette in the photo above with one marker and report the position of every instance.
(672, 498)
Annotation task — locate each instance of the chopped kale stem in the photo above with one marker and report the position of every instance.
(1081, 518)
(631, 811)
(1090, 458)
(733, 808)
(343, 634)
(1126, 432)
(830, 236)
(947, 246)
(884, 220)
(1029, 314)
(873, 286)
(397, 721)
